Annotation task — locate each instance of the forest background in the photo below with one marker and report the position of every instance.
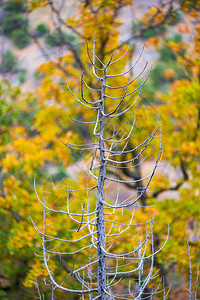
(35, 111)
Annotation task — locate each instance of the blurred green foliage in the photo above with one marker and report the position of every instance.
(42, 29)
(9, 62)
(56, 40)
(15, 6)
(148, 32)
(12, 22)
(20, 38)
(22, 76)
(158, 82)
(174, 19)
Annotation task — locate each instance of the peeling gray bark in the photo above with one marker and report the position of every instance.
(100, 199)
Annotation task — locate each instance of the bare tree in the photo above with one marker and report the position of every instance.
(107, 267)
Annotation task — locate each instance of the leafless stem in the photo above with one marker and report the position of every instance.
(105, 267)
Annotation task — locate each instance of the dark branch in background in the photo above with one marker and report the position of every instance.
(104, 39)
(174, 188)
(150, 24)
(69, 44)
(136, 174)
(63, 22)
(87, 2)
(184, 170)
(117, 175)
(15, 215)
(198, 120)
(47, 56)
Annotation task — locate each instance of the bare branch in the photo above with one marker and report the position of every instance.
(97, 229)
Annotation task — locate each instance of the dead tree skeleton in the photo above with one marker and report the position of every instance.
(105, 269)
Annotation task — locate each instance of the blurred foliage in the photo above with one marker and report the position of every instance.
(56, 39)
(32, 125)
(165, 71)
(149, 28)
(15, 6)
(174, 18)
(20, 38)
(12, 22)
(15, 24)
(8, 62)
(22, 75)
(148, 32)
(37, 75)
(42, 29)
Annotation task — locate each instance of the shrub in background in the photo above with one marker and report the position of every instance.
(149, 32)
(9, 62)
(12, 22)
(174, 18)
(20, 38)
(38, 75)
(55, 39)
(22, 76)
(15, 6)
(42, 29)
(15, 24)
(166, 52)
